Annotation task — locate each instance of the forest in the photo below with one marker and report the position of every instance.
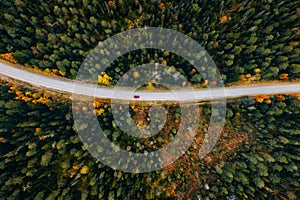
(257, 155)
(42, 156)
(247, 40)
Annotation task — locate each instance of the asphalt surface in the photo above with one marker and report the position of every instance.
(81, 88)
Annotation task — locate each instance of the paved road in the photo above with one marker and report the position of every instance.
(80, 88)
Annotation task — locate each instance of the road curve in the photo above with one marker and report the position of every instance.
(80, 88)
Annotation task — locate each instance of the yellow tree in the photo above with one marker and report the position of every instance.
(104, 79)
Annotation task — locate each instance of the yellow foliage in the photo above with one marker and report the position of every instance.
(36, 95)
(249, 78)
(150, 86)
(84, 170)
(205, 83)
(47, 70)
(84, 108)
(248, 75)
(119, 175)
(28, 96)
(257, 70)
(46, 95)
(101, 111)
(62, 73)
(104, 79)
(294, 43)
(9, 57)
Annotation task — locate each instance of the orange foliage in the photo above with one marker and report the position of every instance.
(175, 17)
(259, 99)
(216, 44)
(297, 96)
(2, 140)
(76, 167)
(243, 79)
(284, 77)
(236, 5)
(264, 96)
(96, 104)
(136, 74)
(9, 57)
(268, 101)
(27, 96)
(161, 5)
(43, 137)
(280, 97)
(164, 62)
(224, 18)
(111, 3)
(226, 146)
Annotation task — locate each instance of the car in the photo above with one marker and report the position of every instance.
(136, 96)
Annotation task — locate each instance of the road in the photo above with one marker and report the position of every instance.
(80, 88)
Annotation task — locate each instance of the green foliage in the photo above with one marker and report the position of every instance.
(61, 37)
(60, 34)
(47, 164)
